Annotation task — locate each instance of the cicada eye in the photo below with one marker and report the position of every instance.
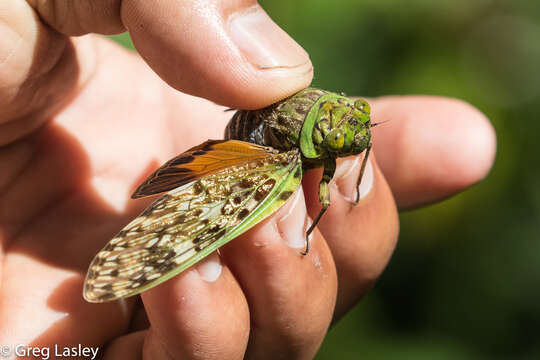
(362, 105)
(335, 139)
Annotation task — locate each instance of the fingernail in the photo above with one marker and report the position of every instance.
(347, 175)
(210, 268)
(293, 224)
(264, 43)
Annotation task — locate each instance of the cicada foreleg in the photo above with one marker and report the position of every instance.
(324, 196)
(364, 163)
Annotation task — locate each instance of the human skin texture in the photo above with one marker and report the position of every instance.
(83, 121)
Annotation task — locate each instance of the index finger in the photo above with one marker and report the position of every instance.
(432, 147)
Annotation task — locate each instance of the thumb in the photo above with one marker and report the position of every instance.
(228, 51)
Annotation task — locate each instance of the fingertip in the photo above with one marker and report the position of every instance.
(273, 65)
(229, 52)
(361, 236)
(292, 221)
(187, 319)
(474, 156)
(432, 147)
(462, 141)
(268, 264)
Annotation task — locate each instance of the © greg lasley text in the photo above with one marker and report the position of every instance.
(56, 351)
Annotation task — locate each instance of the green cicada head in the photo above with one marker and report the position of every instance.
(341, 127)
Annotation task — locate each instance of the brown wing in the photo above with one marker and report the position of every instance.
(204, 159)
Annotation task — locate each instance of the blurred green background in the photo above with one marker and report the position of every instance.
(464, 280)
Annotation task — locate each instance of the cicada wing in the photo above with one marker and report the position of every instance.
(189, 223)
(202, 160)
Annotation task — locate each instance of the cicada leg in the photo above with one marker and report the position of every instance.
(324, 196)
(364, 163)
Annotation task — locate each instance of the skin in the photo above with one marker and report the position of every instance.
(84, 121)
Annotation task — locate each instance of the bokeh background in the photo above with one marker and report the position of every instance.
(464, 281)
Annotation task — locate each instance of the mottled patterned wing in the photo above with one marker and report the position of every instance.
(199, 161)
(190, 222)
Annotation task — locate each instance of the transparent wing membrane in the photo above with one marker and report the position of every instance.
(191, 221)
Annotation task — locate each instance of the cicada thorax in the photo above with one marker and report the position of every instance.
(278, 125)
(321, 123)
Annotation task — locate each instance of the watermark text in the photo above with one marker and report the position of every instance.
(48, 352)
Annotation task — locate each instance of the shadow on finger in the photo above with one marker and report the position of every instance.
(291, 297)
(361, 237)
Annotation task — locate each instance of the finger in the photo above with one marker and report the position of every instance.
(37, 70)
(54, 225)
(291, 297)
(432, 147)
(228, 51)
(200, 314)
(361, 237)
(247, 61)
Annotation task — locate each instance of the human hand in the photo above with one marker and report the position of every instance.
(83, 121)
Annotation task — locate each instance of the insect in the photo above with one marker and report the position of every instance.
(221, 188)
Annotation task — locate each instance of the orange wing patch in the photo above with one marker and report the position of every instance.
(204, 159)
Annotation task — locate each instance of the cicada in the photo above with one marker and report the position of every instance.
(221, 188)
